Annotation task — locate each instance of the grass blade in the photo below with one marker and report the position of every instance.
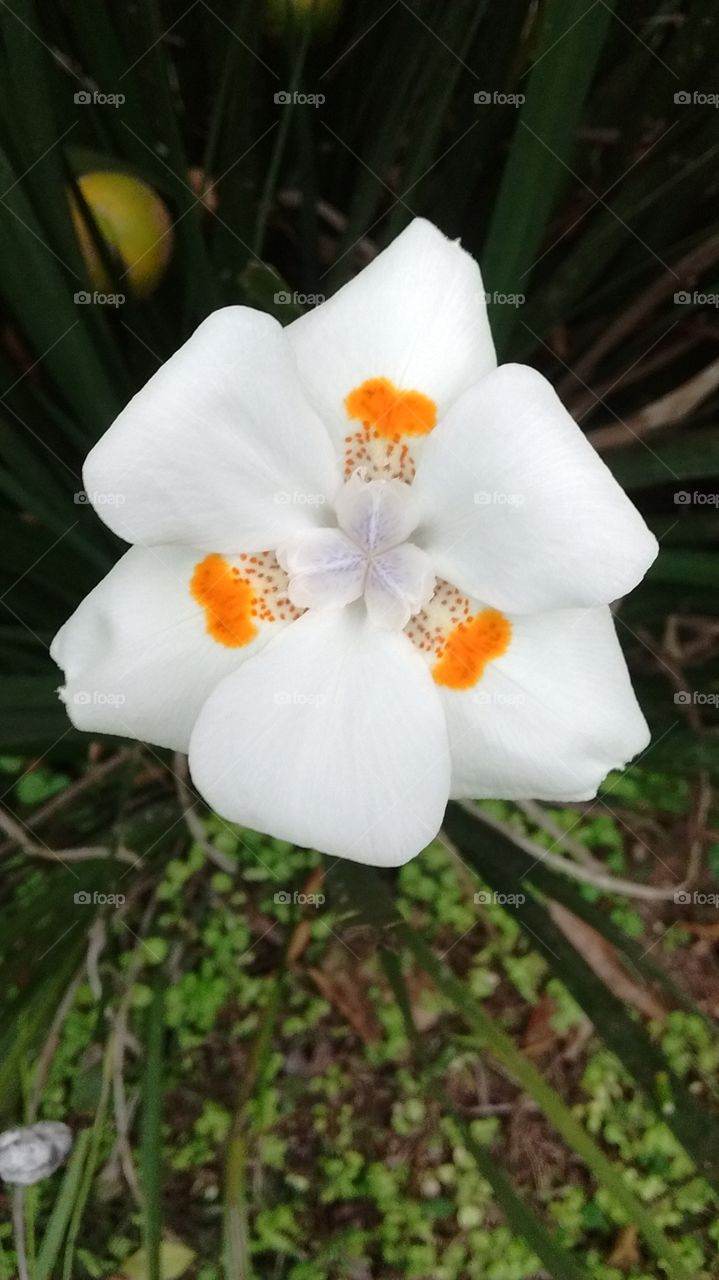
(151, 1140)
(62, 1209)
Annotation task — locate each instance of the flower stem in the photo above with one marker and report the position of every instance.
(18, 1222)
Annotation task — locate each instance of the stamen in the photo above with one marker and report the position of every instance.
(237, 599)
(387, 415)
(457, 642)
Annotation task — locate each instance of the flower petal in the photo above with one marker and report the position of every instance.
(142, 653)
(333, 737)
(520, 511)
(219, 450)
(415, 316)
(324, 567)
(376, 515)
(399, 584)
(551, 716)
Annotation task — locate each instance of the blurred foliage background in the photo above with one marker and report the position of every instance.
(245, 1104)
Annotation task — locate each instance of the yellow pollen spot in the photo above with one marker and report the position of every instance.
(470, 646)
(390, 412)
(227, 599)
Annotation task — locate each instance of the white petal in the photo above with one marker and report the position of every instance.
(219, 450)
(30, 1154)
(325, 569)
(551, 717)
(416, 316)
(519, 509)
(333, 737)
(378, 514)
(137, 655)
(399, 584)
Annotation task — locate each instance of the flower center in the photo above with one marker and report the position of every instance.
(368, 555)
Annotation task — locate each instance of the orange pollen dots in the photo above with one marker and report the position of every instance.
(457, 642)
(387, 415)
(236, 600)
(470, 646)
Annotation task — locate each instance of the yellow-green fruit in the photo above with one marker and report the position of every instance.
(135, 224)
(319, 15)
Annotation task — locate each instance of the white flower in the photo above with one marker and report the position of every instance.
(371, 569)
(30, 1154)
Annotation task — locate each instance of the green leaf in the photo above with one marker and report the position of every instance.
(668, 460)
(571, 39)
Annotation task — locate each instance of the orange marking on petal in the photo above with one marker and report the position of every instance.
(228, 601)
(470, 646)
(391, 412)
